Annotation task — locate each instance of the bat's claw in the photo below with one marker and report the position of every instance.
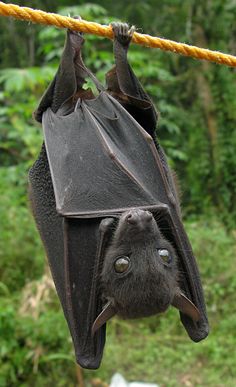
(106, 224)
(77, 17)
(76, 37)
(123, 33)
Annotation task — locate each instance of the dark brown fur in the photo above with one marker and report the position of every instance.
(150, 284)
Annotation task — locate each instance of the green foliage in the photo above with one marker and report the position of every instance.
(30, 348)
(21, 254)
(197, 110)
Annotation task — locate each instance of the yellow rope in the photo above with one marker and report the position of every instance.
(41, 17)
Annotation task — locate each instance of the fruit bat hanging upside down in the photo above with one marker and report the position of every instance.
(106, 206)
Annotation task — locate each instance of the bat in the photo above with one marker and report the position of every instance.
(106, 206)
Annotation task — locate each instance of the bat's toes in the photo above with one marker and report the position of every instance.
(131, 31)
(116, 29)
(124, 29)
(77, 17)
(122, 32)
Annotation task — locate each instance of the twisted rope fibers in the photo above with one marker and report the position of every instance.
(41, 17)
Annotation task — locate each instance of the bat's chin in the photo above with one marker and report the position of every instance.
(133, 314)
(143, 309)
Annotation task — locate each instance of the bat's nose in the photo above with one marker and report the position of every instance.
(138, 216)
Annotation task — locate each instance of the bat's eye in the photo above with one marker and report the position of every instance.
(122, 264)
(165, 255)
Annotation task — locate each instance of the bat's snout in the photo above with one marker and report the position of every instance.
(138, 217)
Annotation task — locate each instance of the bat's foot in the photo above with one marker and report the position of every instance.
(76, 37)
(123, 33)
(77, 17)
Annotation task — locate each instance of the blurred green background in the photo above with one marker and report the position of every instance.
(197, 106)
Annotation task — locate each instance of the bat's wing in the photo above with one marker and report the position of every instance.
(100, 160)
(103, 163)
(190, 282)
(85, 241)
(73, 246)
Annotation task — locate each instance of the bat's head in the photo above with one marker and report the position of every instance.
(140, 275)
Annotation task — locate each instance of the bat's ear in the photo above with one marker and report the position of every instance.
(106, 314)
(180, 302)
(186, 306)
